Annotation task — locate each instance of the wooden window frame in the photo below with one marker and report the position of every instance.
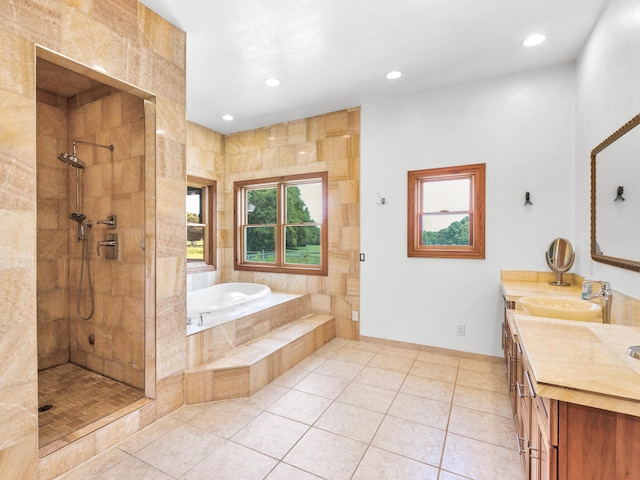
(240, 216)
(209, 203)
(477, 175)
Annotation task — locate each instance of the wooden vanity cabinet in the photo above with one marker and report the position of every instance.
(510, 362)
(598, 444)
(535, 418)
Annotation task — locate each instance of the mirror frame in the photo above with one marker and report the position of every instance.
(625, 263)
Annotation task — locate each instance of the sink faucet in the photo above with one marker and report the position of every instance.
(601, 291)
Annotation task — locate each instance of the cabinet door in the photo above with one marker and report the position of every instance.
(523, 412)
(544, 456)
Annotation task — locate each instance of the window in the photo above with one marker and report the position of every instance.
(446, 212)
(281, 224)
(201, 224)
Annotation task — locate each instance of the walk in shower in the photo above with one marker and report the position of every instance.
(90, 165)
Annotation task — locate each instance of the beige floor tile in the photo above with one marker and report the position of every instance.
(483, 400)
(367, 396)
(287, 472)
(329, 349)
(421, 410)
(338, 368)
(444, 373)
(232, 462)
(144, 437)
(399, 352)
(379, 377)
(264, 397)
(350, 421)
(322, 385)
(439, 358)
(411, 440)
(312, 362)
(450, 476)
(483, 380)
(97, 465)
(132, 468)
(382, 465)
(291, 377)
(482, 366)
(224, 418)
(270, 434)
(475, 459)
(346, 354)
(483, 426)
(179, 450)
(187, 412)
(327, 455)
(300, 406)
(389, 362)
(368, 346)
(428, 388)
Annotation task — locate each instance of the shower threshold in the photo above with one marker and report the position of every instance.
(78, 403)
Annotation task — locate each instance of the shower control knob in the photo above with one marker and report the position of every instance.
(111, 246)
(110, 222)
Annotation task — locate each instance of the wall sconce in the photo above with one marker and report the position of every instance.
(619, 194)
(527, 199)
(382, 200)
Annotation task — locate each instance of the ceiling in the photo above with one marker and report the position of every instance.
(334, 54)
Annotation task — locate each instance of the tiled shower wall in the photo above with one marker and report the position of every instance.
(53, 230)
(329, 143)
(136, 47)
(112, 184)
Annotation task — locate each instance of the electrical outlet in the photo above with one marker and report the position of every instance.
(460, 330)
(354, 316)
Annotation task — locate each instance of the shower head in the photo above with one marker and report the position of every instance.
(77, 217)
(71, 160)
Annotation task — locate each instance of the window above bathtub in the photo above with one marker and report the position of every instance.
(281, 224)
(446, 212)
(201, 224)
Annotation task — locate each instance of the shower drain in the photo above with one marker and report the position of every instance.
(44, 408)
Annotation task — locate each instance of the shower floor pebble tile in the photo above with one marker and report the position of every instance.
(402, 414)
(79, 397)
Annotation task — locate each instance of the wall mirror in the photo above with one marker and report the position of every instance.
(615, 198)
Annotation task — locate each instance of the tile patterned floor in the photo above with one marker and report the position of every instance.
(351, 411)
(78, 397)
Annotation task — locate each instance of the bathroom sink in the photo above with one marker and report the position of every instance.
(562, 307)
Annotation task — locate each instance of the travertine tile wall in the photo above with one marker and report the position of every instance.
(112, 184)
(205, 159)
(140, 48)
(53, 231)
(328, 142)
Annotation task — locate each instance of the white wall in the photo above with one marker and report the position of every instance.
(522, 127)
(607, 96)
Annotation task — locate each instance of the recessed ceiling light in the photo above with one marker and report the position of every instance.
(272, 82)
(393, 75)
(100, 69)
(534, 40)
(227, 117)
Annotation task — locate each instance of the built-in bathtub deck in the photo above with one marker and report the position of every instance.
(238, 358)
(246, 369)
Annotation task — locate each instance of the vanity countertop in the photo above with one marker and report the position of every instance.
(514, 289)
(581, 362)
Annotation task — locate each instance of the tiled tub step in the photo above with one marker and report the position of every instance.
(246, 369)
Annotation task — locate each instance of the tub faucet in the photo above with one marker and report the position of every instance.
(201, 321)
(601, 291)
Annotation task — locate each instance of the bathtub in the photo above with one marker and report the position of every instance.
(223, 302)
